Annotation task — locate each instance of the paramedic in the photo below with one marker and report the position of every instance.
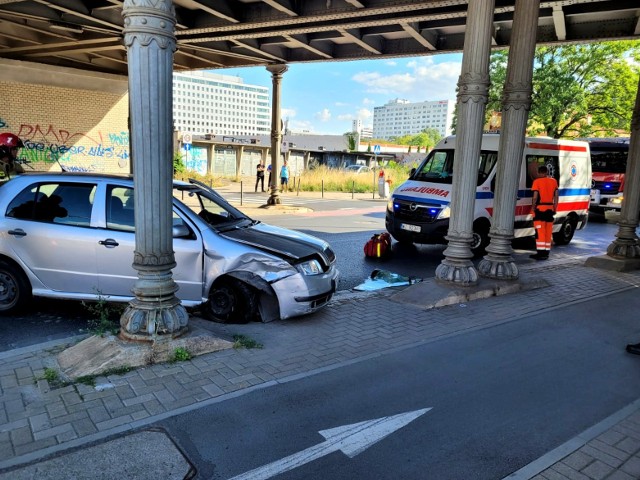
(544, 206)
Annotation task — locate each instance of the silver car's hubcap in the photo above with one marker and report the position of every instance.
(7, 289)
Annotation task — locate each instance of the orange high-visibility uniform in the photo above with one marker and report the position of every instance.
(544, 210)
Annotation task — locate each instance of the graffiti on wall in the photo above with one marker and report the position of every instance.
(78, 151)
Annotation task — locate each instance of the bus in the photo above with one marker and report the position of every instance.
(608, 166)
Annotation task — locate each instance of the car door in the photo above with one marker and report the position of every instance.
(117, 244)
(49, 230)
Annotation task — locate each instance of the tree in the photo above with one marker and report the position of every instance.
(426, 138)
(578, 90)
(351, 141)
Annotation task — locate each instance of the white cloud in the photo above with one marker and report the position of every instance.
(288, 112)
(368, 101)
(364, 114)
(324, 115)
(345, 117)
(422, 80)
(341, 104)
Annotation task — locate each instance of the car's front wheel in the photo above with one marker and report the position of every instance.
(15, 291)
(231, 301)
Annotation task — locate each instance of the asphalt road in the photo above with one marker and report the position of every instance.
(500, 398)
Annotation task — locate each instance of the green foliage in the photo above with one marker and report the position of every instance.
(351, 141)
(106, 316)
(578, 90)
(53, 378)
(178, 164)
(90, 380)
(427, 138)
(50, 375)
(241, 341)
(180, 354)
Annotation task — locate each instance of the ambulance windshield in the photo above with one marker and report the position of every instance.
(438, 167)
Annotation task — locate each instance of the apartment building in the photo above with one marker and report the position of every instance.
(401, 117)
(208, 103)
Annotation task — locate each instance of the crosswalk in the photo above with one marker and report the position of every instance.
(261, 199)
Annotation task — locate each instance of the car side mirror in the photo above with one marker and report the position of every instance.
(179, 231)
(413, 170)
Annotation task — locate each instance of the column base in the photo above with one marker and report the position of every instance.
(145, 323)
(274, 199)
(457, 272)
(625, 249)
(498, 267)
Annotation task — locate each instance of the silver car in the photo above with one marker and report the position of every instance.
(71, 236)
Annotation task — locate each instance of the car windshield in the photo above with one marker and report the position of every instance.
(438, 167)
(211, 207)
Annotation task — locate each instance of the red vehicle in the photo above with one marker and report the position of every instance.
(608, 166)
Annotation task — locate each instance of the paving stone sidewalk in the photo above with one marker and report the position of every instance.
(37, 419)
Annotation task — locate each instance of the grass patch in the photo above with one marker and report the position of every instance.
(90, 380)
(242, 341)
(105, 316)
(180, 354)
(53, 378)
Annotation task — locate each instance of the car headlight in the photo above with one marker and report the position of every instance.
(310, 267)
(617, 200)
(390, 205)
(444, 213)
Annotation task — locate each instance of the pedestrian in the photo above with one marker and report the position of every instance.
(269, 170)
(284, 177)
(260, 176)
(544, 206)
(9, 145)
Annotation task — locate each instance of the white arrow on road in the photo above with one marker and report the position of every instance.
(350, 439)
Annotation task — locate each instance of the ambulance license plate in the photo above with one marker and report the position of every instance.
(411, 228)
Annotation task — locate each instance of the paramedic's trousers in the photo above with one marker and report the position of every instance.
(543, 235)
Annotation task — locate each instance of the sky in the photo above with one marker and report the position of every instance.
(325, 97)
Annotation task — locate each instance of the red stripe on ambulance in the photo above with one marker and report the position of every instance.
(557, 147)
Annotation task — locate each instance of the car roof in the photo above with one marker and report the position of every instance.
(92, 176)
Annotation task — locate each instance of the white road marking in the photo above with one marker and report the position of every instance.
(350, 439)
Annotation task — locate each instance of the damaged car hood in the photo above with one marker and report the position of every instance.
(288, 244)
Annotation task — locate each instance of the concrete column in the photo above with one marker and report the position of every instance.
(626, 246)
(516, 103)
(276, 130)
(150, 42)
(473, 88)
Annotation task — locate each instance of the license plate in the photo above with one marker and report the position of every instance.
(411, 228)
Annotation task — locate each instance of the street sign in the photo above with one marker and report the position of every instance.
(186, 146)
(186, 138)
(376, 149)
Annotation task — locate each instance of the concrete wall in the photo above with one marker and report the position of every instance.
(66, 117)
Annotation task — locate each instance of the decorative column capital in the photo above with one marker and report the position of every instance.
(516, 96)
(278, 69)
(149, 20)
(473, 87)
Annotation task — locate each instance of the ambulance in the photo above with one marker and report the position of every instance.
(418, 210)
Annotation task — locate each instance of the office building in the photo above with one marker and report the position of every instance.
(207, 103)
(400, 117)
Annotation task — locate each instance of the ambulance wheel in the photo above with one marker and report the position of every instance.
(480, 239)
(565, 234)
